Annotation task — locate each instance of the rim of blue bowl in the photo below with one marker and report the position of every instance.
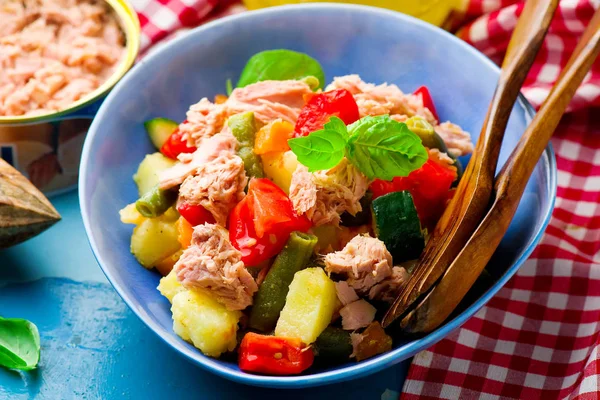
(359, 369)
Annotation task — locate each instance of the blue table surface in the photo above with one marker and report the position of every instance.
(94, 347)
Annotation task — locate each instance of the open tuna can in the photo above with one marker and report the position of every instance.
(58, 61)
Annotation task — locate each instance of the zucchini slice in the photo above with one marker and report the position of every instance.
(159, 130)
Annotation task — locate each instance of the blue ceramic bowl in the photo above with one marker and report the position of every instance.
(381, 46)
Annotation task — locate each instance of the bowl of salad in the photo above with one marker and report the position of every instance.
(259, 189)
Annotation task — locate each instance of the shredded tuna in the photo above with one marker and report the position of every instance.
(441, 158)
(55, 52)
(211, 263)
(457, 140)
(356, 315)
(217, 186)
(364, 261)
(269, 100)
(388, 289)
(345, 293)
(356, 339)
(325, 195)
(221, 145)
(381, 99)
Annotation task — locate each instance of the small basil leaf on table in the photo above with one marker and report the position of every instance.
(383, 148)
(280, 65)
(19, 344)
(320, 150)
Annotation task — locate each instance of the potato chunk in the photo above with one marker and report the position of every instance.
(169, 286)
(309, 306)
(202, 321)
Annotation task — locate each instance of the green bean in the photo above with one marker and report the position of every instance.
(423, 129)
(334, 345)
(155, 202)
(270, 298)
(243, 127)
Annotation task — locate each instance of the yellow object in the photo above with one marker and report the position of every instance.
(165, 266)
(309, 306)
(202, 321)
(146, 176)
(280, 167)
(186, 230)
(154, 239)
(432, 11)
(130, 215)
(169, 286)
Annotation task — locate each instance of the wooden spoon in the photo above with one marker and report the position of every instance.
(509, 187)
(473, 194)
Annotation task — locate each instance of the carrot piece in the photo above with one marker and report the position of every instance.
(273, 137)
(185, 230)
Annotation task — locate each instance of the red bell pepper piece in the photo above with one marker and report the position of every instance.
(320, 107)
(260, 224)
(195, 214)
(429, 187)
(176, 145)
(423, 91)
(274, 355)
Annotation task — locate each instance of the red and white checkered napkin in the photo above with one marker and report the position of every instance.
(539, 337)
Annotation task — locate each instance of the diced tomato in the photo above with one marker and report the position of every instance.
(176, 145)
(274, 355)
(260, 224)
(195, 214)
(317, 111)
(429, 187)
(423, 91)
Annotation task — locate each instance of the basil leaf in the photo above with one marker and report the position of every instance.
(19, 344)
(322, 149)
(280, 65)
(383, 148)
(336, 124)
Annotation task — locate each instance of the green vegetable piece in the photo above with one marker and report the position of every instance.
(271, 295)
(19, 344)
(147, 173)
(396, 223)
(280, 65)
(362, 217)
(334, 345)
(243, 127)
(155, 202)
(159, 130)
(228, 87)
(383, 148)
(322, 149)
(429, 137)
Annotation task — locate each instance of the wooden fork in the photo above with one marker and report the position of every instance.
(473, 194)
(509, 187)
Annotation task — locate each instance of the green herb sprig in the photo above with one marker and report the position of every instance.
(378, 146)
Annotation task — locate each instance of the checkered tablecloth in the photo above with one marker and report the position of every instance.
(538, 338)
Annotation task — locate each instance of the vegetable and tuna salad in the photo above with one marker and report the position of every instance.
(286, 215)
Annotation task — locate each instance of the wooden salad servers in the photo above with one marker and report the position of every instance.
(509, 186)
(473, 194)
(24, 210)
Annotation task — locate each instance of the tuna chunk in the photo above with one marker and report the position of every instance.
(325, 195)
(364, 262)
(381, 99)
(458, 141)
(220, 145)
(345, 293)
(217, 186)
(211, 263)
(441, 158)
(78, 41)
(269, 100)
(388, 289)
(356, 315)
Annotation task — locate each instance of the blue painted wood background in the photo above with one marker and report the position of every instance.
(94, 347)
